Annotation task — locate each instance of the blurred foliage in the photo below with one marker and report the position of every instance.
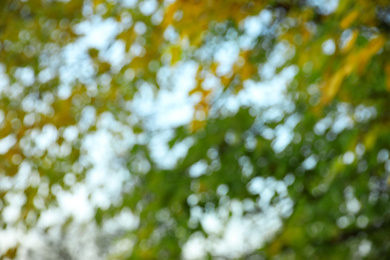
(333, 161)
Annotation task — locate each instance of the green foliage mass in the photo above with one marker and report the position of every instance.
(318, 160)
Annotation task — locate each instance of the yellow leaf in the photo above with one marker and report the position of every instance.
(376, 44)
(175, 54)
(226, 80)
(370, 138)
(349, 19)
(169, 13)
(93, 53)
(349, 44)
(197, 125)
(213, 67)
(350, 64)
(238, 88)
(193, 91)
(274, 247)
(11, 253)
(333, 86)
(247, 71)
(370, 50)
(104, 67)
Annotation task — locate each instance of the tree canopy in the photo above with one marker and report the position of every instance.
(194, 129)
